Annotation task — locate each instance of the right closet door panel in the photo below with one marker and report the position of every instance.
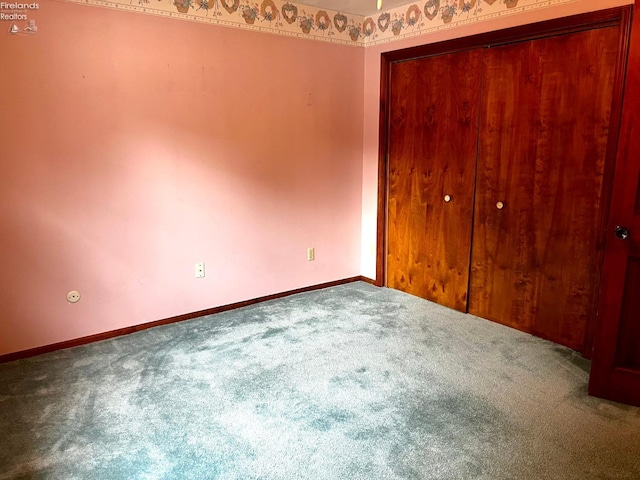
(536, 252)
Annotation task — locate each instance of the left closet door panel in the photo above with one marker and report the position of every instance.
(433, 130)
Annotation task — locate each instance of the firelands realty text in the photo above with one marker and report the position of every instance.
(15, 11)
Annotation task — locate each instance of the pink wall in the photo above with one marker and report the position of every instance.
(372, 100)
(134, 146)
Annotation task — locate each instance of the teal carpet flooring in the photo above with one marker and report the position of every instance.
(349, 382)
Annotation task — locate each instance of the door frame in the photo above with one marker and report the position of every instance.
(608, 378)
(614, 17)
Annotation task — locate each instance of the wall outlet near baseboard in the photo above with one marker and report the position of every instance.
(73, 296)
(200, 270)
(311, 254)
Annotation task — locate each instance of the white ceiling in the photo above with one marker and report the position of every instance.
(357, 7)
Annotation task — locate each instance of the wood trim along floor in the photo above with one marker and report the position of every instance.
(32, 352)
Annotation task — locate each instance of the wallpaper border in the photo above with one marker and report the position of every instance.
(267, 16)
(435, 15)
(303, 21)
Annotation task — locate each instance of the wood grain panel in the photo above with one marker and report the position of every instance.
(615, 369)
(433, 126)
(543, 144)
(637, 209)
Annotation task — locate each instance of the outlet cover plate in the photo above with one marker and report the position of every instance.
(200, 270)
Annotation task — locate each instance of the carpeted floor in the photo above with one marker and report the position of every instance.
(350, 382)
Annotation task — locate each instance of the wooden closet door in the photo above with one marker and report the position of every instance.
(432, 154)
(543, 144)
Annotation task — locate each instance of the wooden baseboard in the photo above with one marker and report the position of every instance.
(365, 279)
(32, 352)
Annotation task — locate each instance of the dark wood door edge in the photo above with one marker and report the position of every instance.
(615, 120)
(9, 357)
(383, 163)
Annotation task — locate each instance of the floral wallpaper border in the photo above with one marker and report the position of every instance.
(294, 19)
(430, 16)
(272, 16)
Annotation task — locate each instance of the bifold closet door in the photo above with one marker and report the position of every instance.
(541, 163)
(432, 157)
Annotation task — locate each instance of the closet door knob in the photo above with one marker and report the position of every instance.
(447, 198)
(499, 205)
(622, 233)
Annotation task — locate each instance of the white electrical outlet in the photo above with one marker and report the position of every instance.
(73, 296)
(311, 254)
(200, 270)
